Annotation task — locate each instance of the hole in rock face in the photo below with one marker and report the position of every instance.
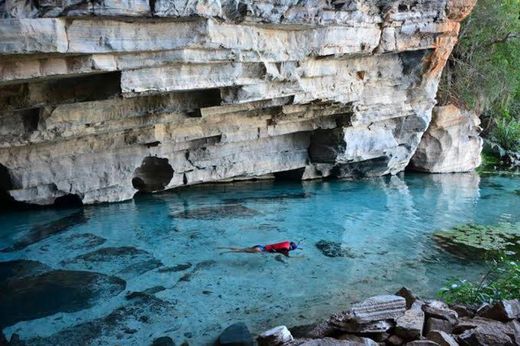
(292, 175)
(31, 118)
(68, 201)
(6, 201)
(154, 174)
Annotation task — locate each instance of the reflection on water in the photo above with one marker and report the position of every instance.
(151, 267)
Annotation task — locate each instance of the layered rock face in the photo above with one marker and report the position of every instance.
(451, 144)
(100, 99)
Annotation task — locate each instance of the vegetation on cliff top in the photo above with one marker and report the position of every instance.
(483, 72)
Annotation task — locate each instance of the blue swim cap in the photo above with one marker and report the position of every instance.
(294, 246)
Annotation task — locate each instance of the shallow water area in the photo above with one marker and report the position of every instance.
(130, 272)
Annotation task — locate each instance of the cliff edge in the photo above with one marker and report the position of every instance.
(101, 99)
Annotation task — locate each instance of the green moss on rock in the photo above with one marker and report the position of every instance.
(480, 241)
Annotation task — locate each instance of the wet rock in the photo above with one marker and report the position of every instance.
(56, 291)
(43, 231)
(480, 241)
(442, 338)
(410, 325)
(236, 335)
(437, 324)
(163, 341)
(334, 249)
(125, 261)
(504, 310)
(407, 295)
(218, 212)
(275, 336)
(483, 331)
(438, 309)
(175, 268)
(18, 269)
(104, 330)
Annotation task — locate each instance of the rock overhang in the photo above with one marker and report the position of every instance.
(220, 89)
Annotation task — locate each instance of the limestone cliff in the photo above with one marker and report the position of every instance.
(100, 99)
(451, 143)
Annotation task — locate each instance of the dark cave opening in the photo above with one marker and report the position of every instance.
(154, 174)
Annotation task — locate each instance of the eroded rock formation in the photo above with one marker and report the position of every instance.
(451, 144)
(100, 99)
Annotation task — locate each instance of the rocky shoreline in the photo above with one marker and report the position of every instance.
(400, 319)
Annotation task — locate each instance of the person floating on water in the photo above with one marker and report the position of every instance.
(282, 248)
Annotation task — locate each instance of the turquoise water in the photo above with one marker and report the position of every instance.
(161, 272)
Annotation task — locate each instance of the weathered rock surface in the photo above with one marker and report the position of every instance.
(450, 144)
(377, 324)
(442, 338)
(504, 310)
(274, 337)
(411, 324)
(101, 99)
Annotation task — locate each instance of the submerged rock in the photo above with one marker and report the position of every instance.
(175, 268)
(334, 249)
(136, 317)
(212, 213)
(236, 335)
(18, 269)
(33, 297)
(480, 241)
(43, 231)
(163, 341)
(83, 241)
(125, 260)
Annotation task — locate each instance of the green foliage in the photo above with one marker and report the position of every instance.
(507, 132)
(484, 70)
(502, 281)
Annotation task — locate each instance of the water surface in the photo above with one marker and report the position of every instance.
(127, 273)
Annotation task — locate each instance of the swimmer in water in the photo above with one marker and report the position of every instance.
(282, 248)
